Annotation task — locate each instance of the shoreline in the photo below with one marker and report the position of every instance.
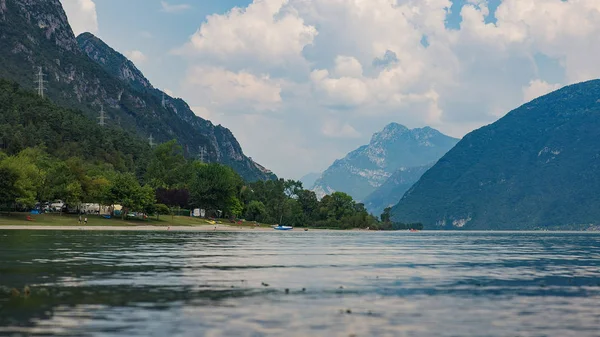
(198, 228)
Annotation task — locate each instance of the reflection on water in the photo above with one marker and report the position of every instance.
(299, 284)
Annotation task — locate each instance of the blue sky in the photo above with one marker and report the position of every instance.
(301, 83)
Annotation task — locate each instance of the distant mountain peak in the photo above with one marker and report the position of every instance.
(389, 131)
(365, 169)
(395, 130)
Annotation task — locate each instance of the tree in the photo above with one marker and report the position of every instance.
(256, 211)
(234, 207)
(126, 191)
(167, 166)
(309, 203)
(8, 188)
(161, 209)
(386, 216)
(173, 197)
(30, 177)
(215, 187)
(292, 188)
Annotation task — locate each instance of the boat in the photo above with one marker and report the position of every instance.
(283, 228)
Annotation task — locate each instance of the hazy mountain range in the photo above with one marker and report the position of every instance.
(394, 150)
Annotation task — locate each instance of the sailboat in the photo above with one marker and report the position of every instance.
(281, 227)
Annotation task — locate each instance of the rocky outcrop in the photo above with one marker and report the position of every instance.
(37, 34)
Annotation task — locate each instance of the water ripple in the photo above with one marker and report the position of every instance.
(299, 284)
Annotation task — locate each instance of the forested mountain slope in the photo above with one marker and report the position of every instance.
(537, 167)
(37, 34)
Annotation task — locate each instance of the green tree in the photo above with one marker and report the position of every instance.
(309, 203)
(167, 166)
(161, 209)
(386, 216)
(30, 178)
(126, 191)
(256, 211)
(216, 187)
(8, 188)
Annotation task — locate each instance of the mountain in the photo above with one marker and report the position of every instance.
(365, 169)
(86, 74)
(537, 167)
(308, 181)
(29, 121)
(388, 194)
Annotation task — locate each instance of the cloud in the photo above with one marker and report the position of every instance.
(339, 70)
(82, 15)
(169, 8)
(537, 88)
(336, 129)
(207, 114)
(264, 35)
(136, 56)
(234, 91)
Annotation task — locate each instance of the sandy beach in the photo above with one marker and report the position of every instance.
(202, 228)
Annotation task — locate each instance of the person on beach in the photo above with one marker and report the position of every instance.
(85, 221)
(79, 222)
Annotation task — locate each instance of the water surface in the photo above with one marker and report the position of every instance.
(87, 283)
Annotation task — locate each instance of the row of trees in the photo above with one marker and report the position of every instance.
(169, 181)
(50, 153)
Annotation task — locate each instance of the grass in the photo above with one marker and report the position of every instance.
(20, 219)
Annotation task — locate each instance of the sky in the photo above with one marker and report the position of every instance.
(301, 83)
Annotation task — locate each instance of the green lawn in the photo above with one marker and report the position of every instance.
(95, 220)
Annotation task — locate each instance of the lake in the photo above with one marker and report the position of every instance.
(95, 283)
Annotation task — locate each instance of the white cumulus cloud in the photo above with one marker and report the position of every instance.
(264, 34)
(537, 88)
(234, 90)
(339, 70)
(136, 56)
(82, 15)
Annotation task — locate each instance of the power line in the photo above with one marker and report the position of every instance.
(103, 117)
(202, 153)
(39, 80)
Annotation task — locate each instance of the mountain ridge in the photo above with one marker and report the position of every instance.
(392, 190)
(37, 34)
(368, 167)
(535, 168)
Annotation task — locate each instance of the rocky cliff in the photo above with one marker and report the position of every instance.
(89, 75)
